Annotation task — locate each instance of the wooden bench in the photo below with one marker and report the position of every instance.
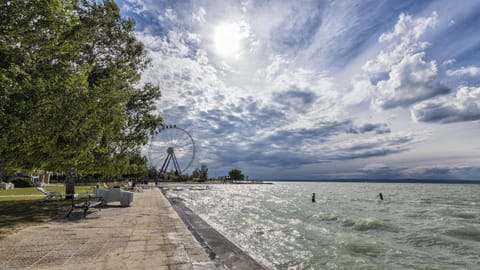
(85, 201)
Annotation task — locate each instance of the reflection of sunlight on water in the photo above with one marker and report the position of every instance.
(348, 228)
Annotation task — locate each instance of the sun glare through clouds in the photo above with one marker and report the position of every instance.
(227, 39)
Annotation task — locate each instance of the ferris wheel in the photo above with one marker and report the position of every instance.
(172, 149)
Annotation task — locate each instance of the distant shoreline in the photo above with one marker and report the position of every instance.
(383, 181)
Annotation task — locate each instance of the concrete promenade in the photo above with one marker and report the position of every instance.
(147, 235)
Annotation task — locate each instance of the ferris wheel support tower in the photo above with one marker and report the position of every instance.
(170, 158)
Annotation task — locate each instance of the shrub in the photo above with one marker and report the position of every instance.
(22, 182)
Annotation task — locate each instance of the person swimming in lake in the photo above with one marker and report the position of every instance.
(380, 195)
(313, 197)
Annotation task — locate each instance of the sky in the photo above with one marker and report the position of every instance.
(314, 90)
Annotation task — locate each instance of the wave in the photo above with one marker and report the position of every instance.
(463, 215)
(465, 232)
(366, 224)
(329, 217)
(428, 239)
(370, 224)
(357, 245)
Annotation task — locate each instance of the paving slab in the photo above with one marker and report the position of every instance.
(147, 235)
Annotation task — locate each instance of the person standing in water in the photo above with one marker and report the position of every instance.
(313, 197)
(380, 195)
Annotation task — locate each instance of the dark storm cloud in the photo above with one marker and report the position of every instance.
(279, 149)
(445, 172)
(297, 136)
(290, 147)
(263, 157)
(250, 132)
(381, 171)
(260, 115)
(295, 98)
(244, 118)
(373, 147)
(369, 127)
(466, 107)
(426, 92)
(435, 172)
(367, 153)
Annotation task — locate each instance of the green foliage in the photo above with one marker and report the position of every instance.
(69, 94)
(152, 173)
(173, 175)
(200, 173)
(25, 193)
(203, 172)
(22, 182)
(196, 174)
(236, 174)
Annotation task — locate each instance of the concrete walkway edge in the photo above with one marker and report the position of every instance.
(220, 249)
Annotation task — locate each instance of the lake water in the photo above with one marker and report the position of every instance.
(416, 226)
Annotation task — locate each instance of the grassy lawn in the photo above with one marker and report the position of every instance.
(18, 208)
(33, 191)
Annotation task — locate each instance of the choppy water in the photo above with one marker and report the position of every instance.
(417, 226)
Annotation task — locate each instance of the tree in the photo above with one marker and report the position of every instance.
(196, 174)
(236, 174)
(203, 172)
(69, 94)
(152, 173)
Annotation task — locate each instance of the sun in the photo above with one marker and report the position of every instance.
(227, 39)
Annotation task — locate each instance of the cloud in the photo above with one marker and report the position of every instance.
(409, 30)
(449, 62)
(199, 16)
(466, 172)
(310, 94)
(464, 71)
(273, 69)
(410, 81)
(135, 6)
(297, 31)
(403, 41)
(256, 158)
(294, 98)
(169, 15)
(464, 107)
(318, 133)
(369, 127)
(370, 146)
(293, 148)
(400, 76)
(381, 171)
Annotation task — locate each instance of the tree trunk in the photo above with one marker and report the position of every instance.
(69, 184)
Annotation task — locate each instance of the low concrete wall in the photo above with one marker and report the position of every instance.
(219, 248)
